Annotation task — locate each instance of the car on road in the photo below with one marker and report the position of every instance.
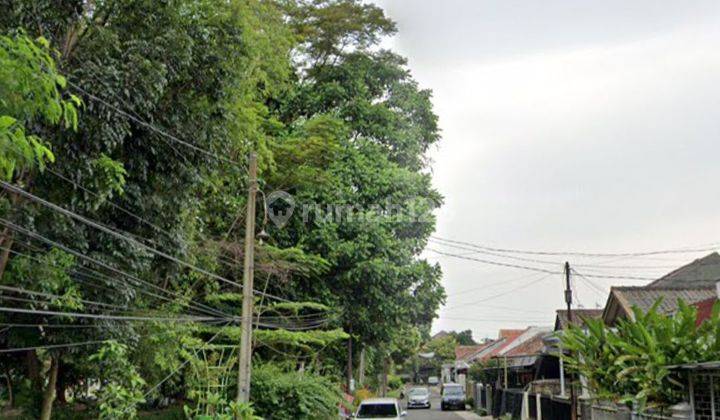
(433, 380)
(418, 397)
(379, 408)
(453, 397)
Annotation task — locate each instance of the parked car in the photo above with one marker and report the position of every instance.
(379, 408)
(453, 396)
(433, 380)
(419, 398)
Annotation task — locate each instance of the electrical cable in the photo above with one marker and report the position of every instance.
(53, 346)
(153, 128)
(78, 254)
(581, 254)
(522, 286)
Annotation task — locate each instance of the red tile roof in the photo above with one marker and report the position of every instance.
(464, 352)
(528, 348)
(510, 334)
(507, 337)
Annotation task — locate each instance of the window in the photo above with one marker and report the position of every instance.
(380, 410)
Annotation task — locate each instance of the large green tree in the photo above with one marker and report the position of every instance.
(176, 94)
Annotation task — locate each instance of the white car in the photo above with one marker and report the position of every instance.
(418, 397)
(379, 408)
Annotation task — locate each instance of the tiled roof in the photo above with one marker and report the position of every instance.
(579, 316)
(507, 338)
(703, 272)
(530, 347)
(465, 352)
(644, 298)
(523, 343)
(510, 334)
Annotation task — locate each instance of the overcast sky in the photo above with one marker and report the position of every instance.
(571, 125)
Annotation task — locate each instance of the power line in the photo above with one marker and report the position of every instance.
(497, 263)
(480, 251)
(581, 254)
(538, 269)
(110, 231)
(53, 346)
(138, 281)
(502, 294)
(113, 232)
(524, 320)
(490, 285)
(153, 128)
(104, 316)
(54, 296)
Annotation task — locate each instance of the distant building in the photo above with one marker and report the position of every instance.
(562, 320)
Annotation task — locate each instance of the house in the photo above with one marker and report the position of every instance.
(703, 272)
(562, 321)
(692, 283)
(622, 299)
(514, 356)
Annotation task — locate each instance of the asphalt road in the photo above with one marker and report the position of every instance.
(435, 413)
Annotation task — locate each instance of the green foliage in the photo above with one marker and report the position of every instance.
(276, 393)
(443, 347)
(395, 382)
(121, 386)
(629, 363)
(464, 338)
(334, 121)
(485, 372)
(29, 91)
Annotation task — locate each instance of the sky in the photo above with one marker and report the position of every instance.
(566, 125)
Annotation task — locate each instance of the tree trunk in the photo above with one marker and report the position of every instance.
(32, 367)
(361, 368)
(386, 367)
(350, 364)
(49, 394)
(6, 241)
(61, 385)
(11, 401)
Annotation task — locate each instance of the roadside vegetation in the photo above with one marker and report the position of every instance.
(140, 115)
(630, 363)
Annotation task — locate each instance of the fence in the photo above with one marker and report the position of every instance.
(609, 411)
(501, 402)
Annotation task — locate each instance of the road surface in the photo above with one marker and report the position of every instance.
(435, 414)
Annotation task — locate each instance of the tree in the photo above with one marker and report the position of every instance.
(464, 338)
(175, 96)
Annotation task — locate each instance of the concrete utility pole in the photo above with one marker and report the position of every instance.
(245, 350)
(568, 300)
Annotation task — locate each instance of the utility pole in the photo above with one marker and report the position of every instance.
(568, 300)
(245, 350)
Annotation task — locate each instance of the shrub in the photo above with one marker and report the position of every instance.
(279, 394)
(395, 382)
(629, 363)
(362, 394)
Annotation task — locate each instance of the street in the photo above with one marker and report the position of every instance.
(434, 413)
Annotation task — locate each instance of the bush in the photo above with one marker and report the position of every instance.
(361, 395)
(277, 394)
(395, 382)
(628, 363)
